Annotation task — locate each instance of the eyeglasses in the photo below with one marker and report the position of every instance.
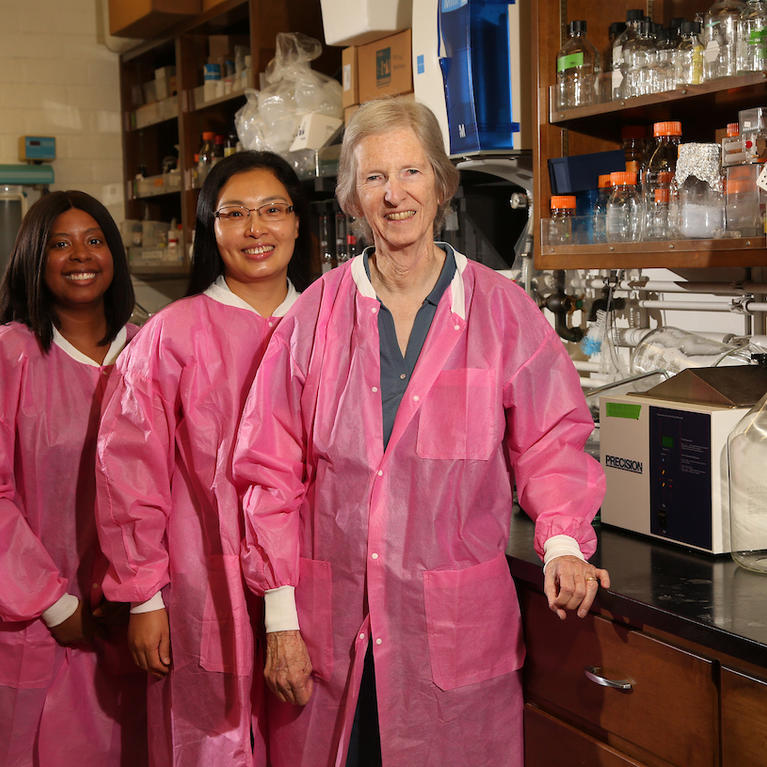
(272, 212)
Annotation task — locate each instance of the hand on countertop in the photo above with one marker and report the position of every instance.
(571, 584)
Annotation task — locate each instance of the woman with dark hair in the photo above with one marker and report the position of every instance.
(65, 300)
(168, 515)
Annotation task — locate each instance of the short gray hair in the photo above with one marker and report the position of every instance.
(384, 115)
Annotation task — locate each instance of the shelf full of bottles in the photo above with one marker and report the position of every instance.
(588, 115)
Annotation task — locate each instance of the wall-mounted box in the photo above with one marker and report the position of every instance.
(350, 92)
(148, 18)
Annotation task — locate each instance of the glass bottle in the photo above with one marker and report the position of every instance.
(676, 29)
(561, 221)
(747, 481)
(218, 148)
(230, 146)
(205, 156)
(623, 208)
(616, 29)
(656, 216)
(577, 65)
(633, 17)
(599, 214)
(634, 138)
(751, 48)
(720, 36)
(663, 76)
(697, 192)
(639, 56)
(659, 170)
(688, 57)
(352, 245)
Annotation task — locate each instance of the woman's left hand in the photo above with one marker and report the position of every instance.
(571, 584)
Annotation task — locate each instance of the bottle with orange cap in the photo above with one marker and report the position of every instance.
(659, 171)
(561, 221)
(624, 208)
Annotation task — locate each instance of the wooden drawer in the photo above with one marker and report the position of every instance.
(744, 719)
(550, 742)
(670, 710)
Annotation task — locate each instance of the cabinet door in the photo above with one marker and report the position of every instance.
(744, 720)
(550, 742)
(669, 708)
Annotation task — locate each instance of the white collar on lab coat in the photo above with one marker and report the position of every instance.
(114, 349)
(221, 292)
(457, 294)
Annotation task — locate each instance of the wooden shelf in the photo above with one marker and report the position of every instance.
(751, 251)
(156, 271)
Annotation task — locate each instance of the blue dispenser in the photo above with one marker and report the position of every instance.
(476, 74)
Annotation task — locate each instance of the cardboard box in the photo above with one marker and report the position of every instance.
(148, 18)
(348, 112)
(350, 92)
(355, 22)
(222, 46)
(315, 131)
(385, 67)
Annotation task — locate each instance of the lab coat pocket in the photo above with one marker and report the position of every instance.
(27, 655)
(459, 418)
(227, 637)
(314, 602)
(473, 623)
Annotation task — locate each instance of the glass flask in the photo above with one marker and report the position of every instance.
(697, 192)
(746, 460)
(688, 57)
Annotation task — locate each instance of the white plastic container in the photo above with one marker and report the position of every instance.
(355, 22)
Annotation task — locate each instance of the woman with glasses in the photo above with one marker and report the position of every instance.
(168, 514)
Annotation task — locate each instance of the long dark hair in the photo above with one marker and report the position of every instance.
(24, 296)
(207, 263)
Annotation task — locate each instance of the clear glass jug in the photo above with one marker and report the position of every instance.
(746, 460)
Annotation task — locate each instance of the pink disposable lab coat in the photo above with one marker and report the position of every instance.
(58, 706)
(169, 518)
(422, 526)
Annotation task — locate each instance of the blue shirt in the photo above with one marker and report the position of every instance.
(397, 370)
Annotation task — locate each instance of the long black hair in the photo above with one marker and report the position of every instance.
(207, 263)
(24, 295)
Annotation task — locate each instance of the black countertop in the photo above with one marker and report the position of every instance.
(705, 599)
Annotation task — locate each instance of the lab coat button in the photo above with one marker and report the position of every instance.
(374, 389)
(380, 472)
(403, 376)
(374, 310)
(379, 640)
(416, 398)
(362, 636)
(374, 555)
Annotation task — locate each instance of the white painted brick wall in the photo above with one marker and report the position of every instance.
(58, 79)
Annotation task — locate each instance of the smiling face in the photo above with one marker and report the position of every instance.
(78, 262)
(396, 189)
(255, 250)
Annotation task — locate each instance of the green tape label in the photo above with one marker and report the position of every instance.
(570, 61)
(623, 410)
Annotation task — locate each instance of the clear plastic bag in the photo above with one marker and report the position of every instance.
(270, 118)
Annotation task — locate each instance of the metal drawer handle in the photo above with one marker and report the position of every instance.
(594, 673)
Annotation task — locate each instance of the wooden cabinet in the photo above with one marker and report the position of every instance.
(744, 719)
(646, 699)
(701, 109)
(174, 123)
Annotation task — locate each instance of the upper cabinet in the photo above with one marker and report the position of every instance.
(167, 106)
(700, 108)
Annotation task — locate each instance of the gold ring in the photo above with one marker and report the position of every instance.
(590, 578)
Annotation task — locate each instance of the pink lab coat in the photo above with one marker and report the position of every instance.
(423, 525)
(58, 706)
(169, 518)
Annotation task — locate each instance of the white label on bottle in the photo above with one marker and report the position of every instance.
(761, 180)
(712, 51)
(617, 56)
(617, 79)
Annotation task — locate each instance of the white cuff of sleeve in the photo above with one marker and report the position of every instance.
(560, 546)
(280, 612)
(154, 603)
(60, 610)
